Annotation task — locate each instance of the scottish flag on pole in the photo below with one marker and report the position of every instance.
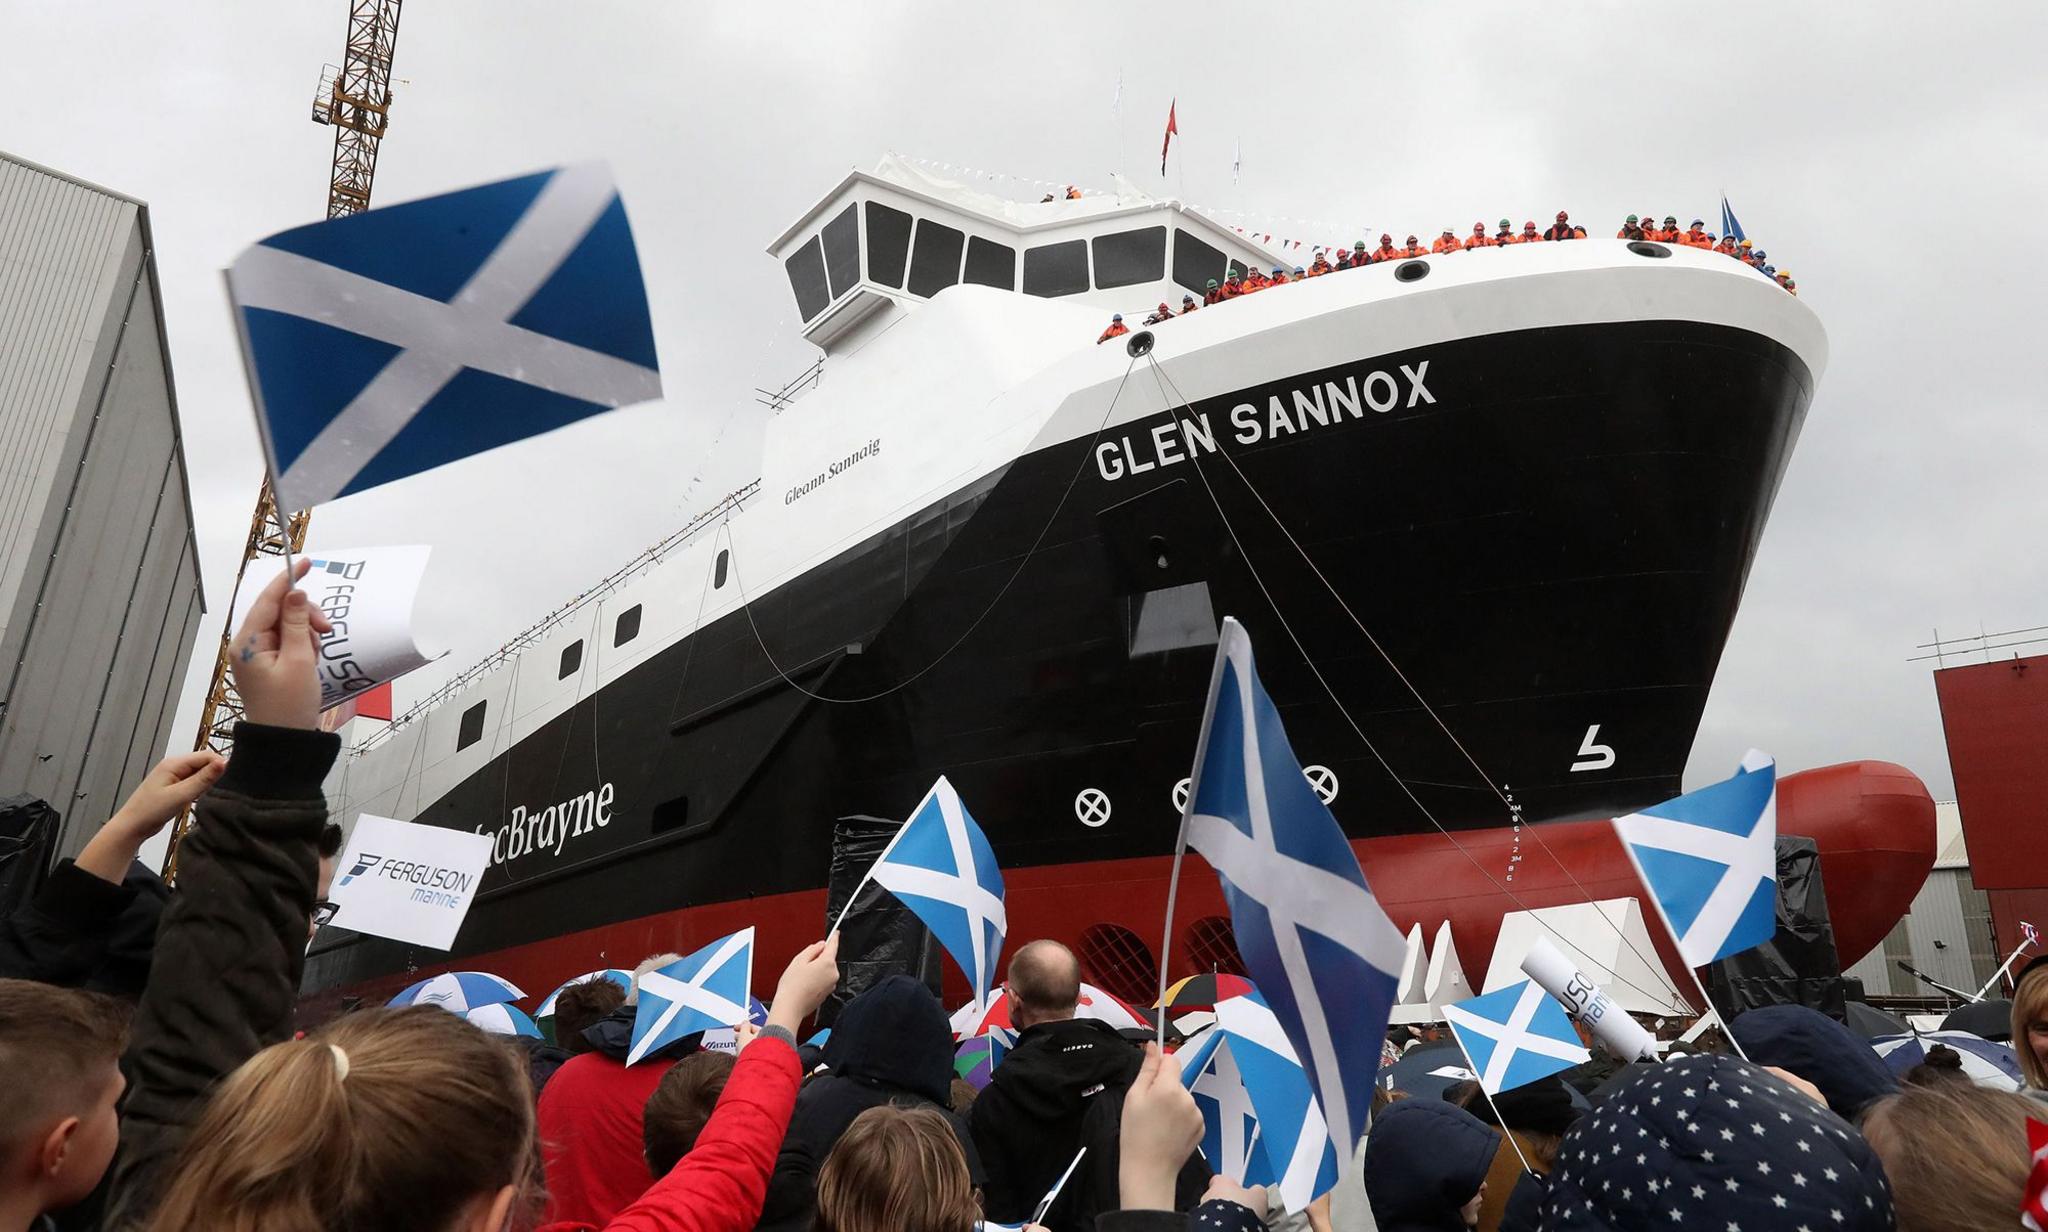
(392, 341)
(1515, 1036)
(1230, 1128)
(1290, 1145)
(1730, 228)
(1710, 860)
(941, 867)
(706, 990)
(1314, 940)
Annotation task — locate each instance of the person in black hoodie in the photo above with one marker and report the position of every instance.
(891, 1045)
(1060, 1089)
(1425, 1166)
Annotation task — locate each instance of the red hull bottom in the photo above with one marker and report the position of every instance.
(1873, 822)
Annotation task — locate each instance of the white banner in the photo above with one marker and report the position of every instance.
(408, 882)
(368, 595)
(1608, 1022)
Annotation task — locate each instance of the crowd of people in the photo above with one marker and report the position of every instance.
(157, 1080)
(1240, 281)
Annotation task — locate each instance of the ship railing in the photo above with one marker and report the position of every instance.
(1942, 649)
(776, 399)
(534, 633)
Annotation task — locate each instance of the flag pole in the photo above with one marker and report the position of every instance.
(1505, 1132)
(2000, 973)
(1180, 843)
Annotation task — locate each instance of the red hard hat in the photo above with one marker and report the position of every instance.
(1562, 216)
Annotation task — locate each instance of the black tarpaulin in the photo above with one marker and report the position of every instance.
(28, 826)
(880, 937)
(1798, 965)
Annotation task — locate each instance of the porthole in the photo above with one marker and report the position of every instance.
(1643, 248)
(1411, 271)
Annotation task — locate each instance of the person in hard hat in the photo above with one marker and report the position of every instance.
(1631, 230)
(1530, 235)
(1233, 286)
(1783, 279)
(1727, 247)
(1697, 237)
(1298, 275)
(1506, 234)
(1791, 284)
(1385, 252)
(1759, 258)
(1117, 329)
(1478, 238)
(1279, 277)
(1669, 232)
(1344, 261)
(1578, 232)
(1412, 249)
(1161, 313)
(1359, 254)
(1188, 304)
(1561, 229)
(1447, 242)
(1213, 293)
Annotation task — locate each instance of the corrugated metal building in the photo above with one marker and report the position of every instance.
(99, 571)
(1947, 932)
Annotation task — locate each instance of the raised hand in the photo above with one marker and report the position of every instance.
(809, 979)
(276, 652)
(1161, 1128)
(164, 792)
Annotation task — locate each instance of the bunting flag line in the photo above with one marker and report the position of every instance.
(1710, 860)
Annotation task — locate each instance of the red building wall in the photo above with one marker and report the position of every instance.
(1995, 716)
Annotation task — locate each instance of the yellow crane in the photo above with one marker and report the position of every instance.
(354, 98)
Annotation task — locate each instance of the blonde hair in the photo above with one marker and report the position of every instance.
(1956, 1156)
(896, 1170)
(386, 1119)
(2029, 1006)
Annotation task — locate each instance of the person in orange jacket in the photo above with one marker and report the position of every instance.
(1318, 267)
(1188, 304)
(1669, 232)
(1359, 256)
(1561, 229)
(1697, 237)
(1506, 234)
(1530, 235)
(1073, 193)
(1578, 232)
(1233, 286)
(1386, 251)
(1214, 293)
(1413, 249)
(1631, 230)
(1117, 329)
(1479, 237)
(1447, 242)
(1727, 247)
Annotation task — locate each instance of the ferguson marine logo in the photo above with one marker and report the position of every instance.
(442, 887)
(551, 828)
(1321, 405)
(364, 863)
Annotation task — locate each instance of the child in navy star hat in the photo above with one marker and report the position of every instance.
(1711, 1142)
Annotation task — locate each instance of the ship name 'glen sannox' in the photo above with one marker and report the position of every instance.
(1321, 405)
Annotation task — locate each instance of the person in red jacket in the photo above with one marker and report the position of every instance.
(720, 1184)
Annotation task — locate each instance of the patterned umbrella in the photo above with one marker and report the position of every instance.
(1987, 1063)
(976, 1059)
(1202, 992)
(502, 1019)
(459, 991)
(623, 979)
(975, 1018)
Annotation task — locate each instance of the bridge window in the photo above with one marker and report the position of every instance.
(472, 729)
(1195, 263)
(627, 627)
(990, 264)
(1130, 257)
(806, 268)
(1056, 269)
(888, 244)
(842, 250)
(572, 659)
(935, 260)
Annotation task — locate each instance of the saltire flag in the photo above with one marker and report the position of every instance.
(1314, 940)
(1172, 127)
(1515, 1036)
(2034, 1198)
(399, 339)
(690, 995)
(1710, 860)
(1230, 1128)
(1730, 229)
(941, 866)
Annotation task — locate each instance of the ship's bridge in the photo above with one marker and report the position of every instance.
(882, 242)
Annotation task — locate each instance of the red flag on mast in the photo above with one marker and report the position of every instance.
(1171, 129)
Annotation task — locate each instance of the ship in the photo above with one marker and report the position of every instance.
(1487, 516)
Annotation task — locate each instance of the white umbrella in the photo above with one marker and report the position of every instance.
(1987, 1064)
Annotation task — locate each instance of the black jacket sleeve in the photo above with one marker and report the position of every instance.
(230, 951)
(60, 935)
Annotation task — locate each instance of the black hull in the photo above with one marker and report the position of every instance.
(1559, 540)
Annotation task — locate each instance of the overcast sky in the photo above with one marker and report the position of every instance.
(1895, 160)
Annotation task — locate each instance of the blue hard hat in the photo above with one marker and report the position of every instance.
(1117, 316)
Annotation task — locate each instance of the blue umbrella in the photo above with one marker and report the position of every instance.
(1988, 1064)
(623, 979)
(502, 1019)
(460, 991)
